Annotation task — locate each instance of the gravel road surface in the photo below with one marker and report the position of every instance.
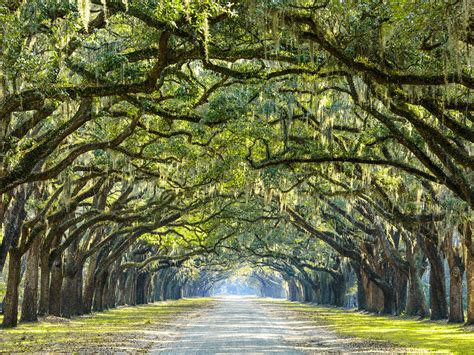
(246, 325)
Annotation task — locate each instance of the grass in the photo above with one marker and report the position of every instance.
(406, 332)
(121, 329)
(3, 288)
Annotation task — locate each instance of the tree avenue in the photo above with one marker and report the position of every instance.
(151, 149)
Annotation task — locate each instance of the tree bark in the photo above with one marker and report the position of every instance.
(130, 287)
(105, 293)
(470, 287)
(416, 302)
(467, 234)
(88, 291)
(122, 279)
(439, 304)
(69, 294)
(158, 296)
(45, 270)
(111, 290)
(338, 286)
(401, 294)
(140, 287)
(10, 311)
(361, 295)
(78, 307)
(388, 302)
(292, 290)
(55, 287)
(99, 289)
(456, 311)
(456, 273)
(13, 223)
(29, 307)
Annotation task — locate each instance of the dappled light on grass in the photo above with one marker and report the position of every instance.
(409, 332)
(122, 329)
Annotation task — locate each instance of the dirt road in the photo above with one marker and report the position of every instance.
(238, 325)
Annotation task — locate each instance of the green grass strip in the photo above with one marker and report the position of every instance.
(113, 329)
(406, 332)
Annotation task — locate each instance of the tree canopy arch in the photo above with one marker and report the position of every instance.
(150, 148)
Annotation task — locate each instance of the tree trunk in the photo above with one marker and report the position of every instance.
(361, 295)
(88, 291)
(158, 286)
(99, 289)
(375, 298)
(292, 290)
(401, 294)
(439, 304)
(87, 297)
(416, 303)
(130, 287)
(29, 307)
(150, 288)
(338, 286)
(308, 293)
(69, 300)
(121, 288)
(467, 234)
(456, 311)
(43, 309)
(13, 223)
(69, 295)
(178, 293)
(140, 288)
(470, 287)
(148, 283)
(78, 307)
(55, 287)
(380, 296)
(456, 273)
(169, 289)
(112, 286)
(112, 289)
(165, 283)
(388, 302)
(10, 311)
(105, 293)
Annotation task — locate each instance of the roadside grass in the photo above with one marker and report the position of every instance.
(3, 288)
(122, 329)
(407, 332)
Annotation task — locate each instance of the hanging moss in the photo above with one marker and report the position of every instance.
(84, 8)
